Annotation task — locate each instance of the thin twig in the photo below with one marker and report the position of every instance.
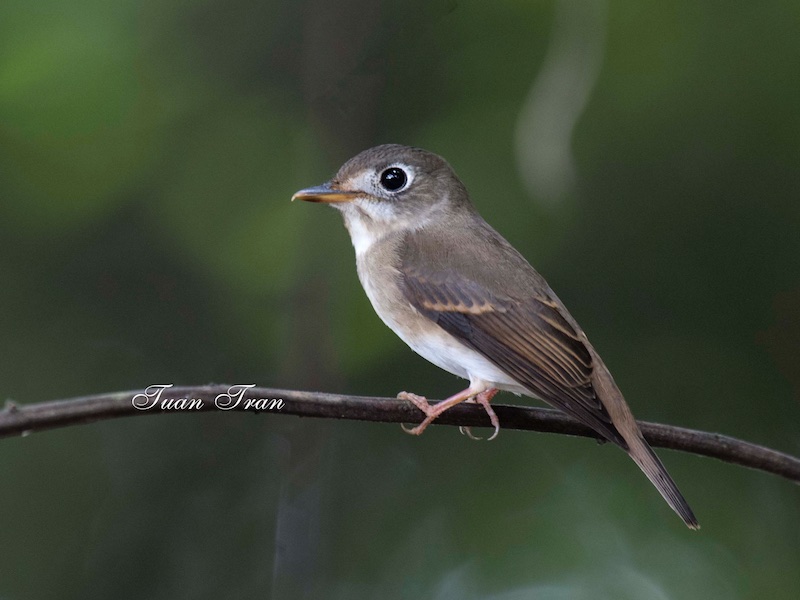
(24, 419)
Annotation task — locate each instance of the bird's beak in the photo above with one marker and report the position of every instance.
(325, 193)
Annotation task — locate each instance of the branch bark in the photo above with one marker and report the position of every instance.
(25, 419)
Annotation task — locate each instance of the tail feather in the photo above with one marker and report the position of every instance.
(651, 465)
(637, 447)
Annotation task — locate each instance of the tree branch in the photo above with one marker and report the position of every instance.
(24, 419)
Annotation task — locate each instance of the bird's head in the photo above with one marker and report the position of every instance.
(389, 188)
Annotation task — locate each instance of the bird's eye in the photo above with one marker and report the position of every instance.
(393, 179)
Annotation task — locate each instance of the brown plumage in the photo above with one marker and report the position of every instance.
(460, 295)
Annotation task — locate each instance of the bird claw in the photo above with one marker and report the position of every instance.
(467, 431)
(410, 430)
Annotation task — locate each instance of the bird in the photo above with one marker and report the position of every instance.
(455, 291)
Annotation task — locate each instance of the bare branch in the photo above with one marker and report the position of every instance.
(24, 419)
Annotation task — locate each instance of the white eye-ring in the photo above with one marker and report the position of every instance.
(395, 178)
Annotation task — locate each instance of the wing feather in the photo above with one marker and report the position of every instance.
(530, 339)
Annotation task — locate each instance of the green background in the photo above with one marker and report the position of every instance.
(645, 156)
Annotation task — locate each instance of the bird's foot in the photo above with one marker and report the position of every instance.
(421, 402)
(483, 399)
(434, 410)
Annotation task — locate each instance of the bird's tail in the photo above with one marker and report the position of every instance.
(637, 447)
(643, 455)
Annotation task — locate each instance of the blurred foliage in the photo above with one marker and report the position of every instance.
(148, 151)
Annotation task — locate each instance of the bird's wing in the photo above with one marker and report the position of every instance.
(529, 338)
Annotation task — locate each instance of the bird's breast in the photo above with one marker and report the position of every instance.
(382, 282)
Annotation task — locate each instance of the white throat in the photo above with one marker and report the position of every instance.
(360, 234)
(368, 223)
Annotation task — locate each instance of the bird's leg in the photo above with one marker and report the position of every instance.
(483, 399)
(433, 411)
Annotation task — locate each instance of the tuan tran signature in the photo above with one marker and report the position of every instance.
(153, 397)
